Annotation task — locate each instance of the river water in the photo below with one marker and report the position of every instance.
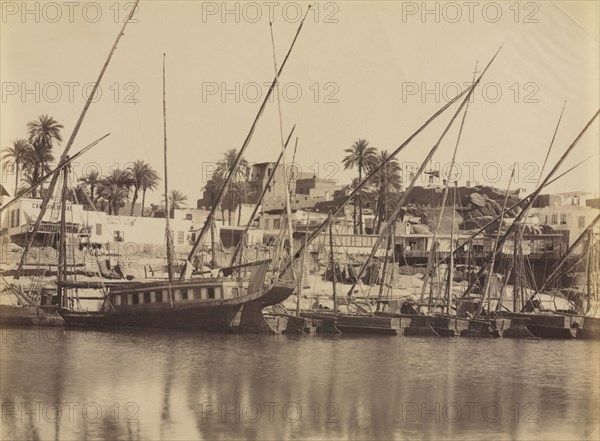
(122, 384)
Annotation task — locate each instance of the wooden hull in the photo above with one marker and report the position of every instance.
(28, 315)
(547, 326)
(241, 314)
(356, 324)
(435, 326)
(590, 329)
(486, 328)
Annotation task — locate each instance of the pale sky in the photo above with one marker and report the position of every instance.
(363, 70)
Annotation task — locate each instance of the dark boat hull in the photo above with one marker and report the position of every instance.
(242, 314)
(356, 324)
(590, 329)
(547, 326)
(435, 326)
(29, 315)
(486, 328)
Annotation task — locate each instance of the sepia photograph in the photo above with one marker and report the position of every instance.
(299, 220)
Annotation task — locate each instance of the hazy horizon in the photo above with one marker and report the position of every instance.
(372, 70)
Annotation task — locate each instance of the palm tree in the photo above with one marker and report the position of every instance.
(150, 182)
(176, 200)
(350, 188)
(362, 156)
(18, 153)
(213, 188)
(92, 179)
(114, 188)
(143, 177)
(225, 166)
(42, 133)
(389, 182)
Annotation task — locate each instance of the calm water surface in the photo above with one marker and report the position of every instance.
(71, 384)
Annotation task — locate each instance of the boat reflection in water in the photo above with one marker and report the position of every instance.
(183, 385)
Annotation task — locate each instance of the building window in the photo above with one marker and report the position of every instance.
(211, 293)
(180, 237)
(554, 219)
(276, 224)
(188, 216)
(581, 221)
(15, 217)
(234, 292)
(159, 296)
(563, 219)
(146, 297)
(197, 293)
(135, 299)
(98, 229)
(184, 294)
(266, 224)
(118, 300)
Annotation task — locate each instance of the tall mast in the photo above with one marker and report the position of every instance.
(286, 182)
(451, 264)
(430, 259)
(514, 225)
(384, 269)
(240, 246)
(332, 263)
(167, 205)
(62, 245)
(65, 153)
(302, 268)
(589, 269)
(238, 160)
(486, 289)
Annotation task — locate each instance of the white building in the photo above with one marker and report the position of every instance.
(572, 218)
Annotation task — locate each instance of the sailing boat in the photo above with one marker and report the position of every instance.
(213, 304)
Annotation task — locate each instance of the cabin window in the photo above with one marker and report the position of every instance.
(581, 221)
(147, 298)
(159, 296)
(197, 293)
(563, 219)
(211, 293)
(184, 294)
